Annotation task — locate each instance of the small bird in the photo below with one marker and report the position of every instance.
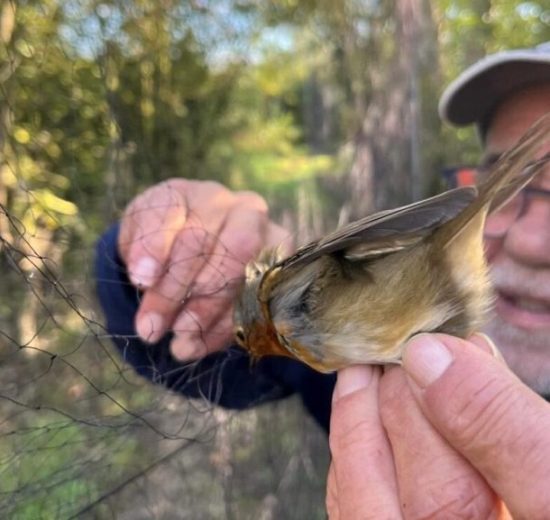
(356, 295)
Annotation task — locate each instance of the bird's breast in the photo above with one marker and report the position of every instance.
(263, 340)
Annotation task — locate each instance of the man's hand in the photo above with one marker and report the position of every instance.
(185, 244)
(452, 434)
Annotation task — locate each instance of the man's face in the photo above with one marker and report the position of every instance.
(520, 261)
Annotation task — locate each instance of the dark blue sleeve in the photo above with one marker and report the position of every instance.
(225, 378)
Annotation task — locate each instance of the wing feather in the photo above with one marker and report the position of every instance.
(386, 231)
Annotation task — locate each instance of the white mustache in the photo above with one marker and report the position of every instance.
(520, 281)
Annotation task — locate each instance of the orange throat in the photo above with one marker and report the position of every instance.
(263, 341)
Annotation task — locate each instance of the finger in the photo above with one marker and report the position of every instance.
(434, 480)
(221, 235)
(278, 236)
(148, 230)
(190, 251)
(488, 415)
(361, 454)
(218, 282)
(332, 495)
(190, 347)
(194, 341)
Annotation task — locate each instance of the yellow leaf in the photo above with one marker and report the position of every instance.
(112, 82)
(52, 202)
(147, 108)
(24, 48)
(21, 135)
(7, 176)
(53, 150)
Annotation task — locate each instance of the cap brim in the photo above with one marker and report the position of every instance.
(479, 89)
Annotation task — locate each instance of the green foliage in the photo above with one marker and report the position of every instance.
(39, 464)
(49, 470)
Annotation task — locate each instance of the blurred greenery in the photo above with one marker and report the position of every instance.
(328, 109)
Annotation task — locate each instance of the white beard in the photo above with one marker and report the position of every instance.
(527, 352)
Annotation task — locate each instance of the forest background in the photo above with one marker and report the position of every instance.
(328, 109)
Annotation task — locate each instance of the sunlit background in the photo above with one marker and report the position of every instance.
(326, 108)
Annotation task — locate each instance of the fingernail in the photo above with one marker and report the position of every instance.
(144, 272)
(351, 379)
(187, 347)
(150, 327)
(486, 343)
(425, 359)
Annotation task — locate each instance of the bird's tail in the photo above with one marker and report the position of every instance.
(514, 169)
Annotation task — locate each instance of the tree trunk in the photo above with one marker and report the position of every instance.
(387, 167)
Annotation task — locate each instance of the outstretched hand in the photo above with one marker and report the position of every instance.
(451, 434)
(185, 244)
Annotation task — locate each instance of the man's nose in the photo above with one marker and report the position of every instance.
(528, 239)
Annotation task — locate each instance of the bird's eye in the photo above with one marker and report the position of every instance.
(239, 336)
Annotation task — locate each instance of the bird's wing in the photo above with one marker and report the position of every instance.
(386, 231)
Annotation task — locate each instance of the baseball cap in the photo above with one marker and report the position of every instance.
(472, 97)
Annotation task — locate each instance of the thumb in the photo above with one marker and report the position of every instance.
(486, 413)
(362, 483)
